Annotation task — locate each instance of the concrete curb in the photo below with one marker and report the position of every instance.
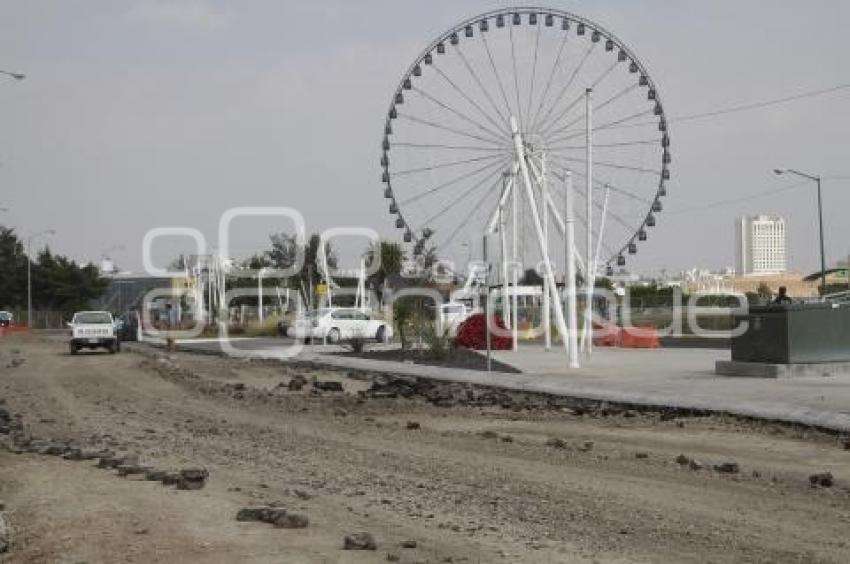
(549, 385)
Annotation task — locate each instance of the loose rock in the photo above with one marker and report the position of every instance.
(291, 521)
(5, 534)
(413, 425)
(822, 479)
(296, 383)
(359, 541)
(727, 468)
(555, 442)
(328, 386)
(682, 459)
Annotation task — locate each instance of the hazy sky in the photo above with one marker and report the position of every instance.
(151, 113)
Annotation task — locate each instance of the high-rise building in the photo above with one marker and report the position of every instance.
(760, 244)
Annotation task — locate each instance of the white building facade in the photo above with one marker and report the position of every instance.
(760, 245)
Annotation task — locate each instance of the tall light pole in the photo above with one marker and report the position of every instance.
(816, 180)
(29, 271)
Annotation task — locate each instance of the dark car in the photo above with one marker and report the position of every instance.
(127, 326)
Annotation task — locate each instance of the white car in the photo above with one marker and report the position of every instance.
(92, 330)
(338, 324)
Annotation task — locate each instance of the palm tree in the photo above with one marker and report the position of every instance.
(391, 256)
(286, 252)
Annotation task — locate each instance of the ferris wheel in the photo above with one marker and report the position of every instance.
(523, 94)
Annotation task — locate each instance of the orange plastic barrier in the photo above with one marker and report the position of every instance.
(645, 337)
(14, 330)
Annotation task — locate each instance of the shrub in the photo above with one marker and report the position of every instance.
(439, 343)
(471, 334)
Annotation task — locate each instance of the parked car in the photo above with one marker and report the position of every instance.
(338, 324)
(6, 319)
(127, 326)
(92, 330)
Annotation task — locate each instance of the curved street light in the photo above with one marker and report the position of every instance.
(30, 239)
(815, 179)
(15, 75)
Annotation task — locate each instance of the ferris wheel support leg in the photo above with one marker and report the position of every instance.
(538, 228)
(587, 334)
(544, 194)
(601, 234)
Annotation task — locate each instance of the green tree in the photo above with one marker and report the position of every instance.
(13, 270)
(286, 252)
(391, 257)
(60, 284)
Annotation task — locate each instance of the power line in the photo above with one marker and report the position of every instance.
(747, 107)
(764, 104)
(755, 196)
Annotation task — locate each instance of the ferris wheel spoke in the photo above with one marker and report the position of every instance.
(429, 123)
(451, 182)
(459, 114)
(462, 196)
(596, 109)
(569, 83)
(613, 215)
(555, 67)
(484, 90)
(447, 165)
(614, 188)
(496, 73)
(516, 78)
(566, 110)
(603, 127)
(583, 221)
(477, 206)
(611, 165)
(656, 141)
(451, 147)
(463, 94)
(533, 72)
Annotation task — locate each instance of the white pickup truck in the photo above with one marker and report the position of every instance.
(92, 330)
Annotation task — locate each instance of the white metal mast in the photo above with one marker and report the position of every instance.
(587, 336)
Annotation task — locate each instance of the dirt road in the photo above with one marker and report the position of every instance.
(469, 483)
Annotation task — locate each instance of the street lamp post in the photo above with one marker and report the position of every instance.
(15, 75)
(816, 180)
(29, 271)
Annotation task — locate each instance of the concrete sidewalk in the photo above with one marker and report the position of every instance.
(680, 378)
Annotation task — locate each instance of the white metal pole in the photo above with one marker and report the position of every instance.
(601, 235)
(514, 276)
(260, 295)
(570, 273)
(29, 282)
(503, 240)
(544, 191)
(535, 216)
(587, 336)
